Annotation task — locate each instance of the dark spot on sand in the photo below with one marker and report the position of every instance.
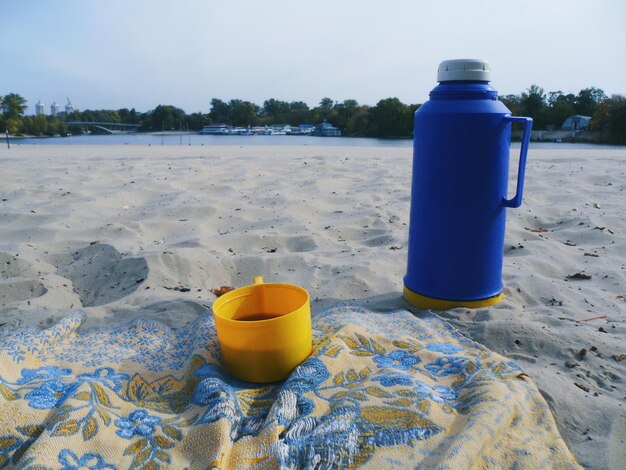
(582, 387)
(579, 276)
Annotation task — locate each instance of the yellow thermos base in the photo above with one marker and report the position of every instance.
(431, 303)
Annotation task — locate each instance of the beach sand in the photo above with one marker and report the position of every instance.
(148, 231)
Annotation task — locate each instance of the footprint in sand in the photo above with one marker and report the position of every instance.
(100, 274)
(370, 237)
(174, 313)
(16, 280)
(379, 240)
(300, 244)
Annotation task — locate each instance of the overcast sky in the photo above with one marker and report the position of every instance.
(141, 53)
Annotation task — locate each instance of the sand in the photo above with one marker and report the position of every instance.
(130, 231)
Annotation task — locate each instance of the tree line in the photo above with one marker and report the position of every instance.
(549, 110)
(389, 118)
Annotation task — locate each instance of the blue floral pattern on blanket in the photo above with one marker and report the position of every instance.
(378, 390)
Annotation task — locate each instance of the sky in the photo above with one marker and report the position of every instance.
(138, 54)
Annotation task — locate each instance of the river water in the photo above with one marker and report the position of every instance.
(198, 139)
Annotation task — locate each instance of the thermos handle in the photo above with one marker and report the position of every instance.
(516, 201)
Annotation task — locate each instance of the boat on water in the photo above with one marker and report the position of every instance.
(215, 129)
(241, 131)
(324, 129)
(302, 129)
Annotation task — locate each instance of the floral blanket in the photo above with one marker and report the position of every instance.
(380, 390)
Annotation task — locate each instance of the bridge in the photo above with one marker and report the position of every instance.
(108, 127)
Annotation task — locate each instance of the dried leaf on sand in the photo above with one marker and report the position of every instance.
(219, 291)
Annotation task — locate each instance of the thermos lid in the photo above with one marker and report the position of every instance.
(464, 69)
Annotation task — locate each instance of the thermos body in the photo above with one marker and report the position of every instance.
(459, 196)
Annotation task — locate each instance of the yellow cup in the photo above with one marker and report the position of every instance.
(264, 330)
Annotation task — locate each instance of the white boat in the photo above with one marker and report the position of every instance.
(241, 131)
(215, 129)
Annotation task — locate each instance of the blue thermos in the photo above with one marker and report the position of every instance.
(459, 198)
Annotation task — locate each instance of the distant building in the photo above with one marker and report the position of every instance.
(40, 109)
(326, 129)
(54, 109)
(68, 107)
(576, 123)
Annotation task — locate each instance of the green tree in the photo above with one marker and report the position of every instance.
(220, 111)
(75, 115)
(560, 107)
(359, 123)
(514, 103)
(533, 104)
(164, 118)
(62, 128)
(587, 100)
(299, 113)
(102, 115)
(390, 118)
(128, 116)
(87, 116)
(323, 112)
(52, 127)
(243, 113)
(76, 130)
(133, 117)
(275, 111)
(195, 121)
(600, 119)
(13, 106)
(35, 125)
(617, 119)
(55, 127)
(326, 104)
(343, 114)
(13, 125)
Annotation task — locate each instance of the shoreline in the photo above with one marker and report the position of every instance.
(537, 136)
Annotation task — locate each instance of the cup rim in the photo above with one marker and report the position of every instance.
(246, 291)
